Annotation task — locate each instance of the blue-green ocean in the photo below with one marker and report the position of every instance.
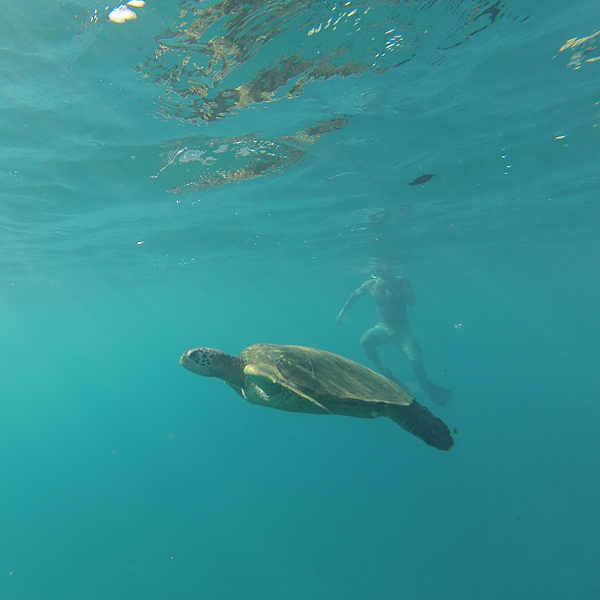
(226, 173)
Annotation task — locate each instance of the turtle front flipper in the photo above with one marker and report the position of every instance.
(265, 386)
(419, 421)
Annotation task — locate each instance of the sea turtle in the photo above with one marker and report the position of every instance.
(299, 379)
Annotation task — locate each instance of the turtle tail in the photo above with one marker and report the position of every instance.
(419, 421)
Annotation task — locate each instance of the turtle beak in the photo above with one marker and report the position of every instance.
(186, 360)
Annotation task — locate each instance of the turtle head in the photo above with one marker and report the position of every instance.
(213, 363)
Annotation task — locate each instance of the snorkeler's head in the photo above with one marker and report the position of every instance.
(383, 271)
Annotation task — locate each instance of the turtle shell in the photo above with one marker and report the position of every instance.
(339, 384)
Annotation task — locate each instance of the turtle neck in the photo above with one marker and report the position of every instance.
(230, 368)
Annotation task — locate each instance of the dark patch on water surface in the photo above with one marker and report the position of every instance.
(201, 162)
(285, 45)
(422, 179)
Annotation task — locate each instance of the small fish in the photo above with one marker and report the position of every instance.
(422, 179)
(456, 430)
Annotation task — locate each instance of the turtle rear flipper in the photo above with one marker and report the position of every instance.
(419, 421)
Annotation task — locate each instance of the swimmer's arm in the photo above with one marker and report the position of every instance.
(363, 290)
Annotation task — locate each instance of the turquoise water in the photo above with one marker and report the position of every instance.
(221, 178)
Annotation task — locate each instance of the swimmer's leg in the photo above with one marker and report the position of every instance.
(378, 336)
(409, 347)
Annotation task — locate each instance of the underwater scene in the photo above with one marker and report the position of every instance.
(300, 300)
